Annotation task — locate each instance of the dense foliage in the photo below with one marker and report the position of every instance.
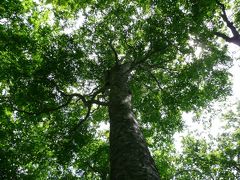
(55, 57)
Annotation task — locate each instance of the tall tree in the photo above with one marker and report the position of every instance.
(132, 63)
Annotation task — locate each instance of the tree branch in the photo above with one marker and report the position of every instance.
(236, 36)
(87, 103)
(115, 52)
(80, 97)
(224, 36)
(81, 121)
(156, 80)
(227, 21)
(99, 102)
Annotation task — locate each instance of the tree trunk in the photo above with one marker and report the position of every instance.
(130, 158)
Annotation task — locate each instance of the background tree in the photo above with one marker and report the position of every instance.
(127, 64)
(217, 158)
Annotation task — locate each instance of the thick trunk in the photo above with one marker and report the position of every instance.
(130, 158)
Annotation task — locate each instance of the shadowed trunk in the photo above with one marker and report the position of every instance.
(130, 158)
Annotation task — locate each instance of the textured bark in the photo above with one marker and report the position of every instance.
(130, 158)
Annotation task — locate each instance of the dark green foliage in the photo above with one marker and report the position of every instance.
(53, 86)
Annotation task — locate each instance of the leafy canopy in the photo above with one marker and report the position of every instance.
(52, 75)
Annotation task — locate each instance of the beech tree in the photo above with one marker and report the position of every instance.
(68, 66)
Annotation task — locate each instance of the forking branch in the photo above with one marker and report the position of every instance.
(87, 103)
(236, 36)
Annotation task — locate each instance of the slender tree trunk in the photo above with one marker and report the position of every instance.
(130, 158)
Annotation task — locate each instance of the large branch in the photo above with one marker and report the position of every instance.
(81, 121)
(227, 21)
(87, 102)
(96, 91)
(224, 36)
(236, 36)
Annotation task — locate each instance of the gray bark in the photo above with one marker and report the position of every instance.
(130, 158)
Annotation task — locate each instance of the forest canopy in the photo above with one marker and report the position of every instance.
(69, 68)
